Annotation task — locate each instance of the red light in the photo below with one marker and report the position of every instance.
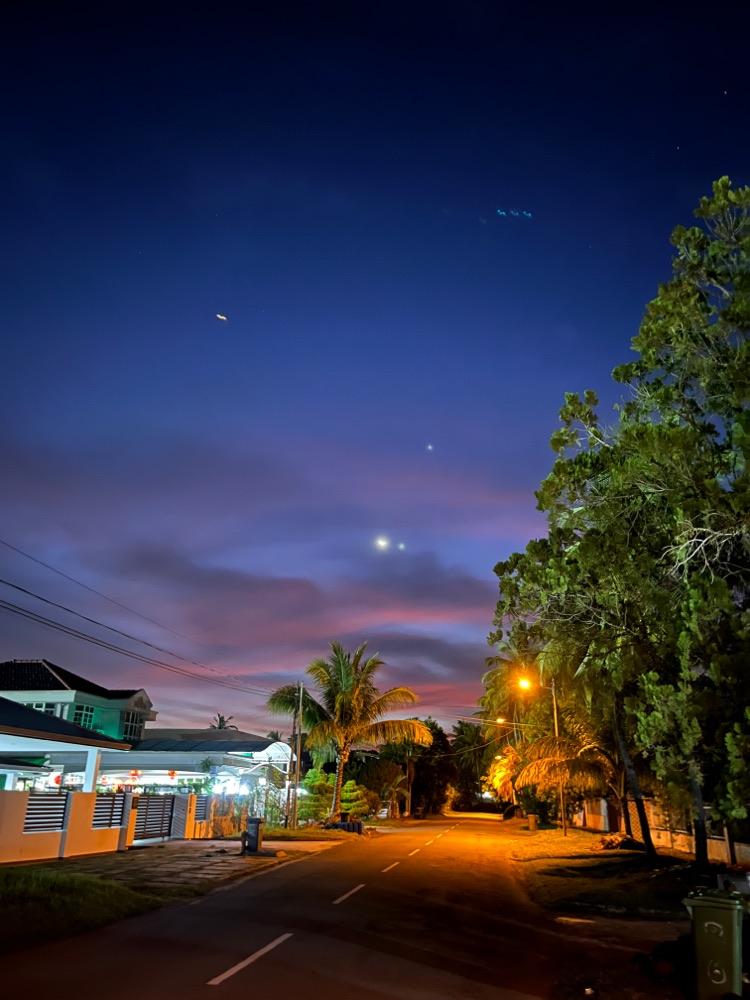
(57, 779)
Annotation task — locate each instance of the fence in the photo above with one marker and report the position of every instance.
(43, 825)
(674, 830)
(45, 812)
(108, 810)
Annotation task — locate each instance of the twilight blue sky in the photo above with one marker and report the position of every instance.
(328, 177)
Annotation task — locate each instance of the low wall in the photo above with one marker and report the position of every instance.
(78, 836)
(15, 845)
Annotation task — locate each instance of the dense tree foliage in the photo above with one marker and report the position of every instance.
(637, 599)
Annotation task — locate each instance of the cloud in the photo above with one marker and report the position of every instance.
(261, 554)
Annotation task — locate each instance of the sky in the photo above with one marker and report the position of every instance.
(339, 182)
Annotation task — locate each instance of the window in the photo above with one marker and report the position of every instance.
(48, 707)
(84, 716)
(132, 725)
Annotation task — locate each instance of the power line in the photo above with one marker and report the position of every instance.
(93, 590)
(113, 647)
(111, 628)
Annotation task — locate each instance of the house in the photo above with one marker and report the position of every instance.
(29, 738)
(57, 692)
(161, 761)
(166, 760)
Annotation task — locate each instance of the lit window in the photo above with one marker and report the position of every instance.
(48, 707)
(132, 725)
(84, 716)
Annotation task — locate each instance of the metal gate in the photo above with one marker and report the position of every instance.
(154, 816)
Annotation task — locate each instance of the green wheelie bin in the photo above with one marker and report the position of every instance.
(716, 917)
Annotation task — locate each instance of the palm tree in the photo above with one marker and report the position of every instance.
(349, 709)
(220, 721)
(582, 759)
(501, 694)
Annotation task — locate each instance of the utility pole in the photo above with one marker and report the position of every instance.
(298, 755)
(560, 784)
(292, 745)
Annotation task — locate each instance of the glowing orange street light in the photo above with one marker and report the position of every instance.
(525, 684)
(499, 720)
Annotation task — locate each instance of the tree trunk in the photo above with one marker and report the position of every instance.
(409, 779)
(633, 785)
(622, 798)
(343, 757)
(700, 834)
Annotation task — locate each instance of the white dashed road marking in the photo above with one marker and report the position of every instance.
(416, 851)
(249, 961)
(391, 866)
(348, 894)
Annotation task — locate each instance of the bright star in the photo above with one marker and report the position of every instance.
(222, 317)
(401, 546)
(382, 543)
(430, 447)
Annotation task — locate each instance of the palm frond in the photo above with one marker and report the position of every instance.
(396, 697)
(285, 701)
(394, 731)
(324, 733)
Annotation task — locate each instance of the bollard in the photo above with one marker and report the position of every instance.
(252, 838)
(533, 822)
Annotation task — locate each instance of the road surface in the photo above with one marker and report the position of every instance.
(425, 913)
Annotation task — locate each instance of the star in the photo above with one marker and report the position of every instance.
(382, 543)
(222, 317)
(430, 447)
(400, 546)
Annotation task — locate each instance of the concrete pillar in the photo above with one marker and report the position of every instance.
(93, 763)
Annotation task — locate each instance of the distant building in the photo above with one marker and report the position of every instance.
(55, 691)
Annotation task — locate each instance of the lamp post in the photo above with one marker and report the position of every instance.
(525, 685)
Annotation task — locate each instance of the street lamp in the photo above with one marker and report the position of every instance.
(525, 684)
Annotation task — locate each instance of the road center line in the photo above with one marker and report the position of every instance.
(390, 866)
(416, 851)
(348, 894)
(427, 843)
(249, 961)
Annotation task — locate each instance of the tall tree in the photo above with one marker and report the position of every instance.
(644, 572)
(349, 710)
(472, 751)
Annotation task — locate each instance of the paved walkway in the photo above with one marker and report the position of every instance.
(183, 864)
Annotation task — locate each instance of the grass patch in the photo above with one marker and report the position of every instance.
(566, 874)
(304, 833)
(38, 905)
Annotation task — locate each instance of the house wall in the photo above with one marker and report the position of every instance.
(108, 712)
(595, 815)
(63, 699)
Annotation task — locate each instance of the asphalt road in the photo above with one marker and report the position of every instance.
(430, 911)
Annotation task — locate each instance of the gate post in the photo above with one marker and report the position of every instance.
(127, 830)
